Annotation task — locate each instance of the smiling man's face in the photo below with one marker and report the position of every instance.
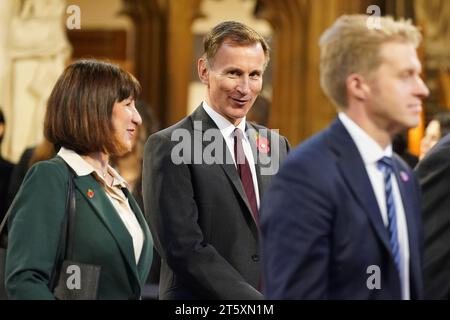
(234, 79)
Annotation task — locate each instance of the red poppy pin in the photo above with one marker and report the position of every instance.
(90, 193)
(262, 144)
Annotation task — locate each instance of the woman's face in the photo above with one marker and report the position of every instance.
(125, 121)
(431, 137)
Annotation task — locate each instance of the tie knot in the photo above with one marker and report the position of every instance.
(385, 164)
(238, 133)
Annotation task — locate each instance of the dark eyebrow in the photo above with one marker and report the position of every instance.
(233, 69)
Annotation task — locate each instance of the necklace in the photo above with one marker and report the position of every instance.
(96, 162)
(105, 174)
(102, 173)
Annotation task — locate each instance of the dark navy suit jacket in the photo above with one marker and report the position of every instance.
(433, 172)
(322, 229)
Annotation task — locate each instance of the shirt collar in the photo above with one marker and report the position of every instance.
(84, 168)
(224, 125)
(369, 149)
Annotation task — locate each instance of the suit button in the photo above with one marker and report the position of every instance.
(255, 257)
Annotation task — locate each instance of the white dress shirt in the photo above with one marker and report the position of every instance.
(227, 130)
(371, 152)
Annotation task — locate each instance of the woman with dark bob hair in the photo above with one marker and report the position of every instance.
(90, 116)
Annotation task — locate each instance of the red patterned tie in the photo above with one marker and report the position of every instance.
(244, 172)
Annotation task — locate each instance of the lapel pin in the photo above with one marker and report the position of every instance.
(262, 143)
(90, 193)
(404, 176)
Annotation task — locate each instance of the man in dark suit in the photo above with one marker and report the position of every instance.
(341, 220)
(204, 176)
(434, 175)
(6, 169)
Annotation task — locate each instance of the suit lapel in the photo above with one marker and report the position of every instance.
(97, 198)
(354, 173)
(147, 248)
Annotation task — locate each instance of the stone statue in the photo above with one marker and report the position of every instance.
(37, 50)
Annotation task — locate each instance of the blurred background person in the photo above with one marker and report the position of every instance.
(260, 112)
(6, 169)
(343, 204)
(438, 127)
(91, 115)
(400, 146)
(44, 151)
(433, 172)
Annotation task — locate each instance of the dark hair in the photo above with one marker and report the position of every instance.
(260, 111)
(79, 108)
(444, 122)
(238, 33)
(43, 151)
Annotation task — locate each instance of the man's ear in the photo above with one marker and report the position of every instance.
(357, 86)
(203, 71)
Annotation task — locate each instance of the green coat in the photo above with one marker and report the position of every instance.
(100, 238)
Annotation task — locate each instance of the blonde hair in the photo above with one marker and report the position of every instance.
(351, 45)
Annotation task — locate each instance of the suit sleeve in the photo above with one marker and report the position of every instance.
(34, 229)
(169, 202)
(296, 221)
(434, 176)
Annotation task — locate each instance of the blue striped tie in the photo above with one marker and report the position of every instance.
(385, 165)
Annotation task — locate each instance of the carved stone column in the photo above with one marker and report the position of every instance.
(299, 108)
(150, 45)
(181, 15)
(163, 53)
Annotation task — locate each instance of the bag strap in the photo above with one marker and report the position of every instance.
(65, 245)
(5, 218)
